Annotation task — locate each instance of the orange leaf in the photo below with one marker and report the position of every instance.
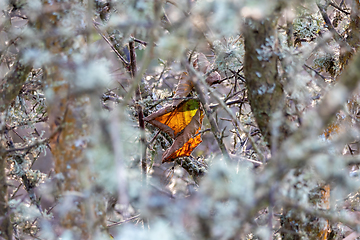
(187, 140)
(182, 123)
(172, 119)
(182, 120)
(169, 155)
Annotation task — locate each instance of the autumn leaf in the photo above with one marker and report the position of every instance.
(187, 140)
(182, 123)
(182, 119)
(171, 119)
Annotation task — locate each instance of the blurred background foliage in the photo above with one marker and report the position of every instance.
(279, 157)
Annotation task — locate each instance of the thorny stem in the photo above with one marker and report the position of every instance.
(137, 79)
(138, 107)
(147, 55)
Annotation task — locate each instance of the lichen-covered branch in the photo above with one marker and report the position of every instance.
(264, 89)
(13, 83)
(10, 88)
(209, 114)
(5, 223)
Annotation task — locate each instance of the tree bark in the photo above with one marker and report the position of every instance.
(264, 89)
(5, 223)
(10, 88)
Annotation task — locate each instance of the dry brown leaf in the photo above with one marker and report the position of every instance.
(203, 65)
(182, 119)
(183, 89)
(185, 84)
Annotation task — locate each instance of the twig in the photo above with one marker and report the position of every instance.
(140, 41)
(203, 131)
(124, 221)
(331, 28)
(151, 141)
(230, 103)
(253, 161)
(145, 63)
(36, 144)
(157, 102)
(234, 94)
(339, 8)
(315, 71)
(169, 194)
(116, 140)
(126, 63)
(18, 187)
(208, 112)
(148, 55)
(221, 103)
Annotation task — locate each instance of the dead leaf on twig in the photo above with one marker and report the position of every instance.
(187, 140)
(182, 123)
(182, 119)
(173, 119)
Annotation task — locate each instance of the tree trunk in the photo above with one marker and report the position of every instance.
(5, 223)
(10, 88)
(266, 96)
(264, 89)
